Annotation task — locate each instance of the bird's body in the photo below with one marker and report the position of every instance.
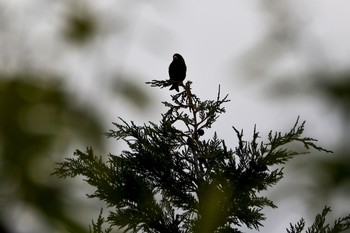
(177, 71)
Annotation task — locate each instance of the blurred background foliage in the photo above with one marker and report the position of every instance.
(312, 74)
(46, 111)
(39, 122)
(45, 114)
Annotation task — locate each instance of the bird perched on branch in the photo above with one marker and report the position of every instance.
(177, 71)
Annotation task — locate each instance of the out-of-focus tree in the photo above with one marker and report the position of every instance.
(42, 111)
(289, 38)
(38, 122)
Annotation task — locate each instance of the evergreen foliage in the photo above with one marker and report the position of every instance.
(173, 180)
(320, 225)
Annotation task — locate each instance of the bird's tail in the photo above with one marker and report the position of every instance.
(175, 86)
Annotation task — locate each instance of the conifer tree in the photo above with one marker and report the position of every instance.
(172, 179)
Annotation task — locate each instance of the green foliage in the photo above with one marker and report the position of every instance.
(97, 227)
(320, 225)
(38, 121)
(80, 25)
(173, 179)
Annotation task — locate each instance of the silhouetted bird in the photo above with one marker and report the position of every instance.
(177, 71)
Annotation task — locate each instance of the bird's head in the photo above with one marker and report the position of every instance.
(177, 56)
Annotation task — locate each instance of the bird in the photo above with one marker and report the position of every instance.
(177, 71)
